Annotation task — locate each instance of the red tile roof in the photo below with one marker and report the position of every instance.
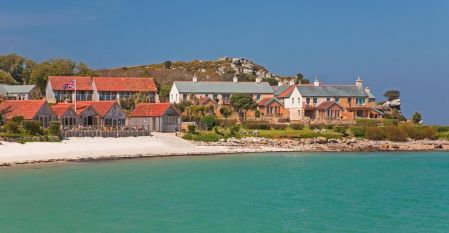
(205, 100)
(268, 100)
(151, 110)
(287, 92)
(101, 107)
(61, 108)
(132, 84)
(324, 106)
(82, 83)
(26, 108)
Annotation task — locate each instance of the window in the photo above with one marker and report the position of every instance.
(293, 100)
(299, 100)
(360, 101)
(307, 100)
(257, 96)
(337, 99)
(315, 100)
(328, 99)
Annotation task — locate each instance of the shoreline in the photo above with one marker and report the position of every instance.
(168, 145)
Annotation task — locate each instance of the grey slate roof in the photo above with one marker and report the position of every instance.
(279, 89)
(12, 89)
(332, 91)
(224, 87)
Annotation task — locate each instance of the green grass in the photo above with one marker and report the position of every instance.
(444, 135)
(295, 134)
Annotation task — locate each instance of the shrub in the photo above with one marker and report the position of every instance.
(205, 137)
(410, 130)
(17, 119)
(257, 126)
(209, 121)
(257, 113)
(283, 120)
(417, 117)
(234, 130)
(390, 122)
(317, 126)
(342, 129)
(226, 122)
(12, 127)
(358, 131)
(367, 122)
(396, 134)
(442, 129)
(279, 126)
(54, 128)
(297, 126)
(191, 128)
(427, 133)
(32, 127)
(375, 133)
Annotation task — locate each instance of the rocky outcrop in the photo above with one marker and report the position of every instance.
(322, 144)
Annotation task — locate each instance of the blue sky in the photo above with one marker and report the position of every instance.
(391, 44)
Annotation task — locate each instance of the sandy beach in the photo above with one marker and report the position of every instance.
(97, 148)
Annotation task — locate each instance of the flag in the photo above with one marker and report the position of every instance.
(69, 85)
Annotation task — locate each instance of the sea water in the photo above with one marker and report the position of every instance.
(269, 192)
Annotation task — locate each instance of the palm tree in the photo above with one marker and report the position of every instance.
(3, 113)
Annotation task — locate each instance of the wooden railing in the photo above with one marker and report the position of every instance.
(105, 133)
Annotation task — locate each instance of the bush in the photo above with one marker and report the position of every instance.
(427, 133)
(375, 133)
(279, 126)
(234, 130)
(410, 130)
(342, 129)
(191, 128)
(297, 126)
(390, 122)
(209, 122)
(226, 122)
(368, 122)
(17, 119)
(358, 131)
(283, 120)
(12, 127)
(396, 134)
(205, 137)
(54, 128)
(317, 126)
(32, 127)
(442, 129)
(257, 126)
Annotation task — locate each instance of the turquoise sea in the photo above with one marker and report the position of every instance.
(271, 192)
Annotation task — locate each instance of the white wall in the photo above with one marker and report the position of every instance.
(49, 94)
(174, 94)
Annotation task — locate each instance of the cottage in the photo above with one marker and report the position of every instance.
(38, 110)
(101, 114)
(62, 88)
(160, 117)
(115, 88)
(302, 101)
(66, 115)
(271, 107)
(220, 92)
(17, 92)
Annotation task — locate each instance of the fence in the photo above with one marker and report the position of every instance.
(105, 133)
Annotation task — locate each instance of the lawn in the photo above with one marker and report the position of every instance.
(292, 134)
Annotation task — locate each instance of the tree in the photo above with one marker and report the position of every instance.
(19, 67)
(6, 78)
(59, 66)
(3, 113)
(299, 79)
(392, 95)
(272, 81)
(164, 93)
(209, 122)
(84, 70)
(242, 103)
(167, 64)
(417, 118)
(225, 111)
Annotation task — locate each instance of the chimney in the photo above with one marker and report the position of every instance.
(258, 79)
(317, 82)
(194, 79)
(359, 82)
(235, 79)
(368, 90)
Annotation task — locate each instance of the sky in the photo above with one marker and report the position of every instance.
(397, 44)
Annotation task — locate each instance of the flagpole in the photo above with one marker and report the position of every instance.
(75, 95)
